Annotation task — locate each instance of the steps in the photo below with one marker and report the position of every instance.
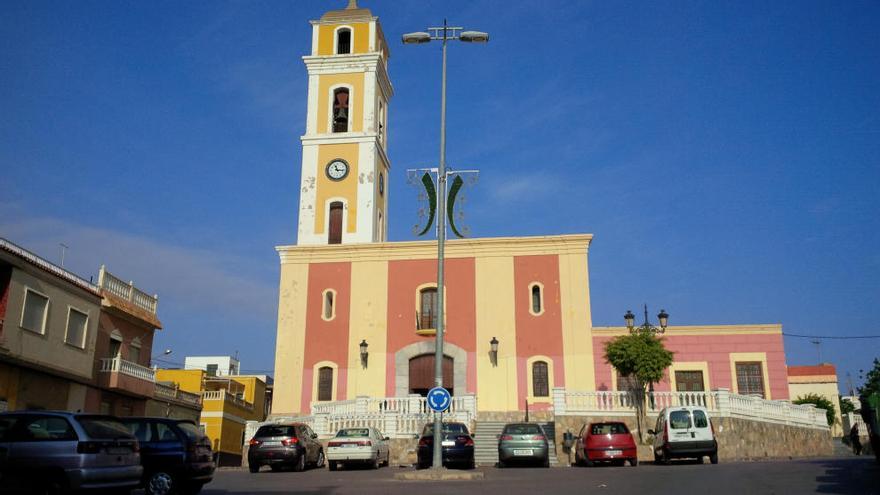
(486, 441)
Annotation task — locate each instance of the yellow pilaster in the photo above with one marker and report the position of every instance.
(577, 337)
(496, 317)
(290, 344)
(368, 321)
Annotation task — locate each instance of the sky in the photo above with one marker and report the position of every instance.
(725, 155)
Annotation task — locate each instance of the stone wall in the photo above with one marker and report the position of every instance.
(738, 439)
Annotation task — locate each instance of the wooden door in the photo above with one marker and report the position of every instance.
(335, 234)
(325, 383)
(421, 374)
(689, 381)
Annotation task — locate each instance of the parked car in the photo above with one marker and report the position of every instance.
(358, 445)
(457, 447)
(176, 455)
(60, 451)
(684, 432)
(609, 441)
(285, 445)
(523, 443)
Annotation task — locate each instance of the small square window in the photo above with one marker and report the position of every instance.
(33, 315)
(77, 322)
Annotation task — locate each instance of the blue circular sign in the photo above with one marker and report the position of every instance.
(439, 399)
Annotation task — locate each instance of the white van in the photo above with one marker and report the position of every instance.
(684, 431)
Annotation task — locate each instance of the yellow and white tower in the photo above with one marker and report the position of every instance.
(344, 193)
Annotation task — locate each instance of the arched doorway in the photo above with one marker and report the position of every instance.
(421, 374)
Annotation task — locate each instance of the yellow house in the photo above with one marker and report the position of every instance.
(228, 402)
(820, 379)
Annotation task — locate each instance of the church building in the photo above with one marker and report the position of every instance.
(357, 314)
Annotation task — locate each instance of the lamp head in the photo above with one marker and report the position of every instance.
(493, 345)
(416, 38)
(663, 316)
(474, 37)
(630, 319)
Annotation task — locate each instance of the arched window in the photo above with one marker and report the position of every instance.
(537, 300)
(427, 308)
(340, 110)
(334, 235)
(325, 383)
(540, 379)
(329, 310)
(343, 41)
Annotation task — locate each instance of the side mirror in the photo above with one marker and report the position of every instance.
(651, 432)
(386, 438)
(314, 435)
(416, 436)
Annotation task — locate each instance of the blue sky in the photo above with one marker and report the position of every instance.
(726, 155)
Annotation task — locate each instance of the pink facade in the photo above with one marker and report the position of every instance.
(715, 351)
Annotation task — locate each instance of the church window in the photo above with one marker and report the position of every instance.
(427, 308)
(343, 41)
(536, 295)
(540, 379)
(340, 110)
(329, 309)
(335, 224)
(325, 383)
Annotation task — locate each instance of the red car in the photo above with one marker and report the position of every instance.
(605, 442)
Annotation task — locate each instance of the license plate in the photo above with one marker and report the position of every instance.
(522, 452)
(118, 450)
(447, 443)
(271, 444)
(614, 452)
(349, 445)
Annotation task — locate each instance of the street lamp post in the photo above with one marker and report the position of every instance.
(647, 328)
(443, 34)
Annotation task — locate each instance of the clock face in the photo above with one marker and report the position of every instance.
(381, 183)
(337, 169)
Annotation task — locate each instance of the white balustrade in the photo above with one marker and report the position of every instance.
(127, 291)
(165, 391)
(720, 402)
(135, 370)
(228, 398)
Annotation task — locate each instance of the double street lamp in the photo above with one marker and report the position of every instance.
(444, 34)
(630, 318)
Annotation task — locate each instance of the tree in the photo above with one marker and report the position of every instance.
(872, 381)
(846, 407)
(820, 402)
(642, 358)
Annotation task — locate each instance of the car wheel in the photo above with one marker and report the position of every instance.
(192, 488)
(546, 463)
(331, 465)
(714, 458)
(320, 462)
(53, 486)
(375, 463)
(159, 483)
(300, 464)
(501, 465)
(589, 463)
(634, 462)
(388, 458)
(254, 468)
(664, 458)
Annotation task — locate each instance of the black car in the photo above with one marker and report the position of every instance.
(285, 445)
(176, 455)
(457, 448)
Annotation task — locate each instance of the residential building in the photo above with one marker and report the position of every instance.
(820, 379)
(69, 344)
(213, 365)
(228, 402)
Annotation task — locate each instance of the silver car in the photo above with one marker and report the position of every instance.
(358, 445)
(60, 451)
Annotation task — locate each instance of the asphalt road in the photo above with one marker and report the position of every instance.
(848, 475)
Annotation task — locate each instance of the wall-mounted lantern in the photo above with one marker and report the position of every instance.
(364, 353)
(493, 351)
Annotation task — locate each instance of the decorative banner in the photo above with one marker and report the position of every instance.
(428, 197)
(427, 194)
(457, 200)
(450, 206)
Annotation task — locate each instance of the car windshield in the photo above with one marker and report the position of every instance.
(354, 432)
(608, 429)
(680, 420)
(522, 430)
(276, 431)
(103, 427)
(192, 431)
(453, 428)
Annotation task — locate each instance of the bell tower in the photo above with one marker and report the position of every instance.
(344, 192)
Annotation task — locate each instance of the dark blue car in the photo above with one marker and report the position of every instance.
(457, 446)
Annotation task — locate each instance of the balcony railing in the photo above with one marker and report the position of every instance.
(124, 367)
(169, 392)
(127, 291)
(227, 398)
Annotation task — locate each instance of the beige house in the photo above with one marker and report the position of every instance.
(820, 379)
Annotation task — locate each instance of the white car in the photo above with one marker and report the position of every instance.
(684, 431)
(358, 445)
